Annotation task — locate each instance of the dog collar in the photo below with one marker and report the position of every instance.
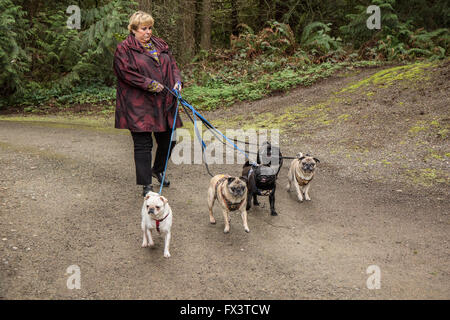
(158, 221)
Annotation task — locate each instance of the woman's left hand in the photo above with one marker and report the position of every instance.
(178, 87)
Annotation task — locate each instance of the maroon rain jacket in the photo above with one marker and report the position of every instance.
(138, 109)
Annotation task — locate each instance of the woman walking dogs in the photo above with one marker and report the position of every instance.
(143, 65)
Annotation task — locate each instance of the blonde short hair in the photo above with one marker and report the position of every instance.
(140, 18)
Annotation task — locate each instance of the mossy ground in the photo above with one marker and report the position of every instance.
(390, 124)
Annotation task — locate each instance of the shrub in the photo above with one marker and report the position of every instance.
(14, 61)
(316, 39)
(276, 39)
(396, 40)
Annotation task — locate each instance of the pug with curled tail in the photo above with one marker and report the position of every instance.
(301, 173)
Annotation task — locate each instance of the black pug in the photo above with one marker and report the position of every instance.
(262, 176)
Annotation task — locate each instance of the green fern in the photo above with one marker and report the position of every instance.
(396, 40)
(14, 60)
(315, 38)
(356, 31)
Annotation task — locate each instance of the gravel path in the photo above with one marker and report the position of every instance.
(67, 197)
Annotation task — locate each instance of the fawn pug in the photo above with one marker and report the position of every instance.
(231, 193)
(301, 173)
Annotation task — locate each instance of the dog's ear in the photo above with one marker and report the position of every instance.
(163, 199)
(316, 160)
(230, 179)
(300, 156)
(147, 197)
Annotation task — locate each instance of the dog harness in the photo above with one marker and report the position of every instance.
(224, 177)
(301, 181)
(230, 205)
(158, 221)
(264, 192)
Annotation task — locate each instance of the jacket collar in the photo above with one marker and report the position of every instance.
(132, 43)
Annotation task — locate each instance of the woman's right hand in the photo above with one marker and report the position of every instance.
(155, 86)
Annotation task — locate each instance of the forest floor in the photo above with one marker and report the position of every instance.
(380, 197)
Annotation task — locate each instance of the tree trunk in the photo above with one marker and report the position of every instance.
(186, 26)
(205, 43)
(264, 12)
(234, 18)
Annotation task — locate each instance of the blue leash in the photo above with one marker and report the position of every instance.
(214, 128)
(195, 114)
(170, 144)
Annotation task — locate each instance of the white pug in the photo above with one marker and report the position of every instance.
(156, 215)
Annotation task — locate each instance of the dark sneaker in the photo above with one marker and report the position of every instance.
(159, 177)
(146, 189)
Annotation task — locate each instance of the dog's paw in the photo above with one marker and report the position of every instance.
(247, 230)
(288, 187)
(273, 213)
(300, 199)
(144, 245)
(226, 230)
(166, 254)
(212, 221)
(307, 197)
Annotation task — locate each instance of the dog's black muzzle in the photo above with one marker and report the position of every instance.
(263, 180)
(151, 211)
(265, 176)
(239, 192)
(308, 167)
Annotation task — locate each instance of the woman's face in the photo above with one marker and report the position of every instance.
(143, 33)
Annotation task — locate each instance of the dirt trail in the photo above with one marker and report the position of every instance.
(67, 197)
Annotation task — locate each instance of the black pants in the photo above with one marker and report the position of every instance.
(143, 144)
